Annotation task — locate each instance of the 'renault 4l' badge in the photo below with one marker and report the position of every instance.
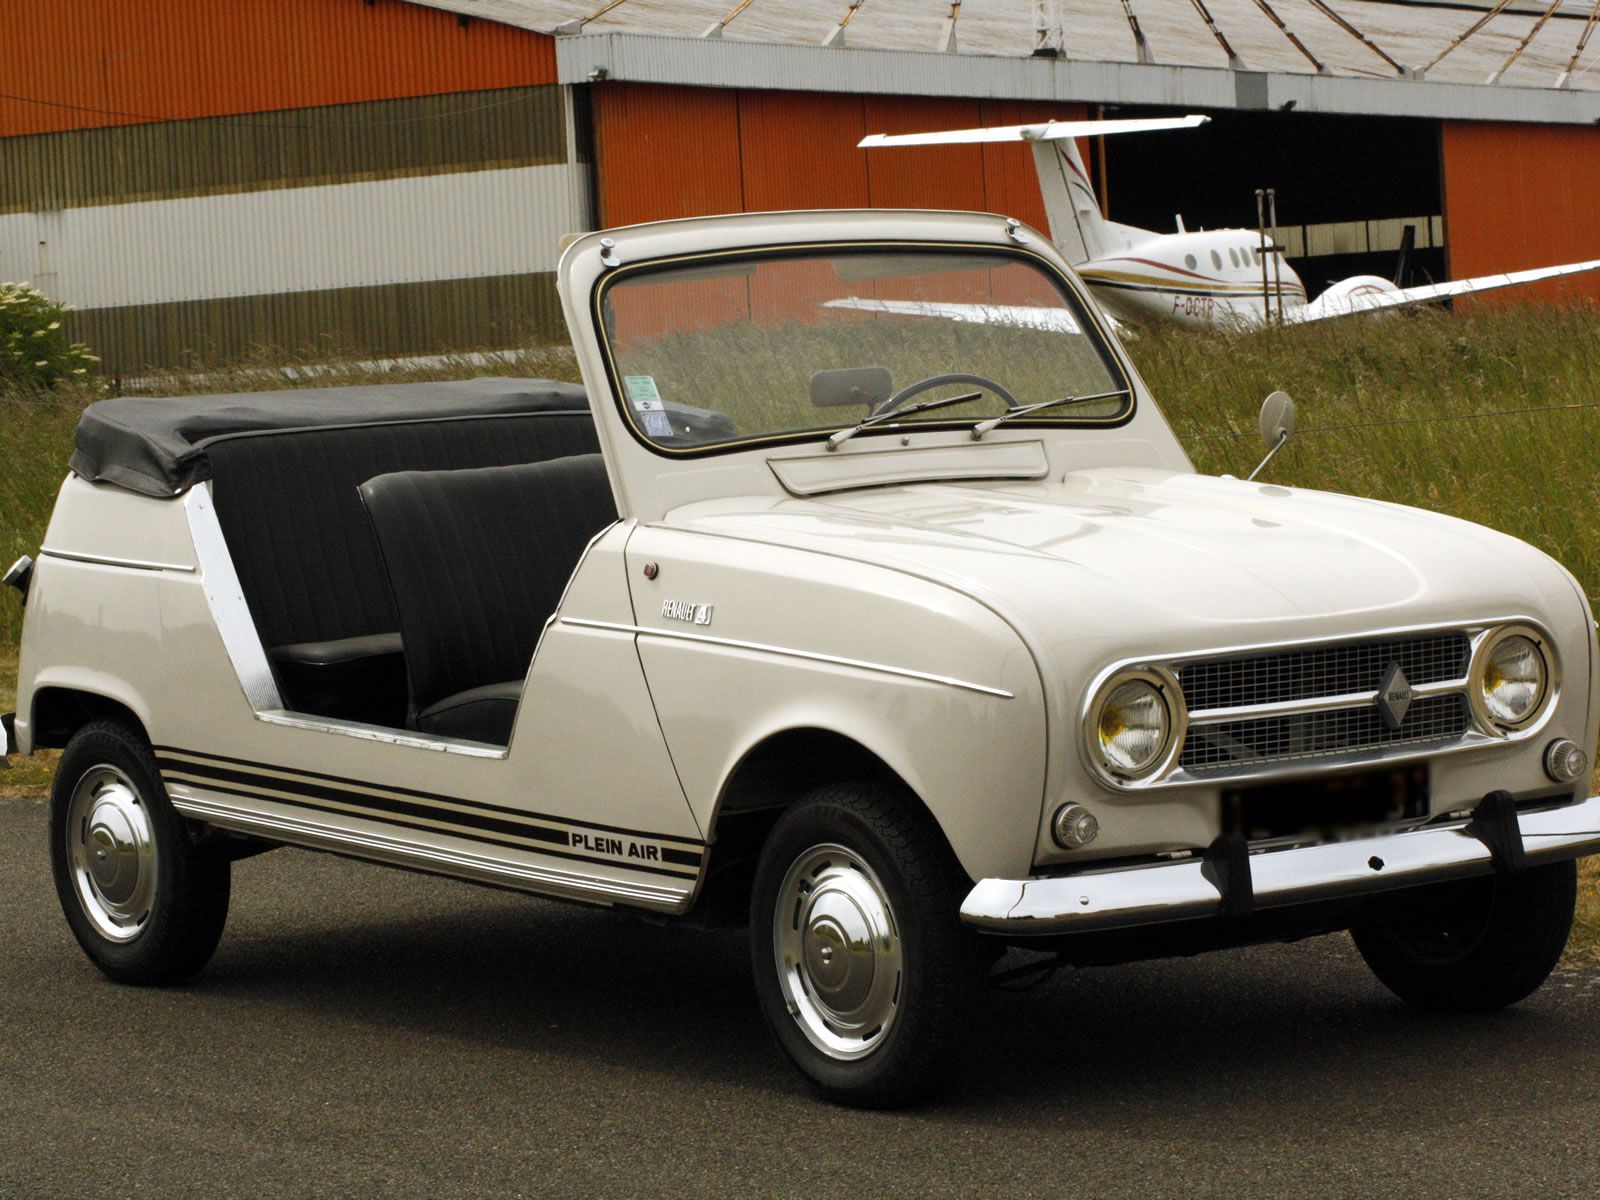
(684, 610)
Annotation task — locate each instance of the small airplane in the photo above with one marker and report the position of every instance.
(1209, 279)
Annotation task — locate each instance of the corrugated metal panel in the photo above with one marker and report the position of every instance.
(799, 150)
(671, 152)
(1522, 196)
(77, 64)
(666, 152)
(298, 239)
(381, 140)
(927, 176)
(497, 312)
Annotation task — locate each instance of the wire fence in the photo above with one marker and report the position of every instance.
(1389, 422)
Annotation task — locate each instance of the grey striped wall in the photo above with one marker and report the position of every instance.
(389, 228)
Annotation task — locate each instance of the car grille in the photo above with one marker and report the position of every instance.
(1317, 734)
(1322, 670)
(1332, 672)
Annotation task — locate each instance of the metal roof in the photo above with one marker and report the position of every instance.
(1535, 59)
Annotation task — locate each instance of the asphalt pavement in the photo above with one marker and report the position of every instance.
(366, 1032)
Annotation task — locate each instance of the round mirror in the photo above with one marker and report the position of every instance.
(1277, 418)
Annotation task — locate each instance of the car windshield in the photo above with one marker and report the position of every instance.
(722, 350)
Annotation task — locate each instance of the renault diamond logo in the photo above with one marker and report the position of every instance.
(1394, 696)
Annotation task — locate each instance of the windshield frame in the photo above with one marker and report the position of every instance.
(1072, 293)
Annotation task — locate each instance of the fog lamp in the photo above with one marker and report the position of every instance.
(1074, 827)
(1564, 761)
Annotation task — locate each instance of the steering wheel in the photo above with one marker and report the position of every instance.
(896, 399)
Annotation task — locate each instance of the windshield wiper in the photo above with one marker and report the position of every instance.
(983, 427)
(844, 435)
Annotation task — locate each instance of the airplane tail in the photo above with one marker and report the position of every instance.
(1077, 227)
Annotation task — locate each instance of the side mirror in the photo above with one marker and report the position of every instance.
(1277, 427)
(849, 386)
(1277, 419)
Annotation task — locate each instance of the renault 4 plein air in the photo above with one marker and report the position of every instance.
(862, 593)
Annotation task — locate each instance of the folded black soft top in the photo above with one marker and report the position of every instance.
(157, 446)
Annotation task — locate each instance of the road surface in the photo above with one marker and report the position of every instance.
(368, 1032)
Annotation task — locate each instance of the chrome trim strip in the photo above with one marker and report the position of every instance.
(789, 652)
(1249, 712)
(107, 560)
(1185, 890)
(225, 597)
(479, 868)
(378, 733)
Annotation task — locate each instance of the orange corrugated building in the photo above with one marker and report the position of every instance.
(393, 177)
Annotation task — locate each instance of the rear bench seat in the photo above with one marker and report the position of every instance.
(478, 560)
(304, 550)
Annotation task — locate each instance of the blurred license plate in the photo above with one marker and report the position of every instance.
(1328, 805)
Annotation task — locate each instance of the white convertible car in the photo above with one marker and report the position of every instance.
(906, 641)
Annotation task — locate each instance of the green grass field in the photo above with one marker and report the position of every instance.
(1371, 393)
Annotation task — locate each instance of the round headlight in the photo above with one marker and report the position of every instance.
(1132, 727)
(1514, 679)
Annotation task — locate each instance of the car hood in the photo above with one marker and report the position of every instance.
(1217, 561)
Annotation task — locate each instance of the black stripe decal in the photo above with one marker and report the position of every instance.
(300, 777)
(221, 789)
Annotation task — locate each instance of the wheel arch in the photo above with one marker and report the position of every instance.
(58, 711)
(772, 775)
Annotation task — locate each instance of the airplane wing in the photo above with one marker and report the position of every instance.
(1046, 131)
(1375, 297)
(1051, 320)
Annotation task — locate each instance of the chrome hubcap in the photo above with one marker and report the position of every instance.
(838, 952)
(113, 853)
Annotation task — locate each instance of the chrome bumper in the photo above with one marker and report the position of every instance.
(1191, 888)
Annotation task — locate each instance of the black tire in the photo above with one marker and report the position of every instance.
(163, 926)
(1474, 945)
(937, 964)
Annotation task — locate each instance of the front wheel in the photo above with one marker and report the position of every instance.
(1474, 945)
(863, 970)
(146, 904)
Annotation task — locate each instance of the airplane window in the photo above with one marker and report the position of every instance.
(1188, 261)
(1216, 260)
(1233, 256)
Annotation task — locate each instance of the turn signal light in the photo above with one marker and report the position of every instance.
(1564, 761)
(1074, 827)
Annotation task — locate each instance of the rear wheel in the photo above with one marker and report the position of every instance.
(1473, 945)
(862, 968)
(144, 902)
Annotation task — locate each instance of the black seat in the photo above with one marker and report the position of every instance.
(477, 561)
(305, 553)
